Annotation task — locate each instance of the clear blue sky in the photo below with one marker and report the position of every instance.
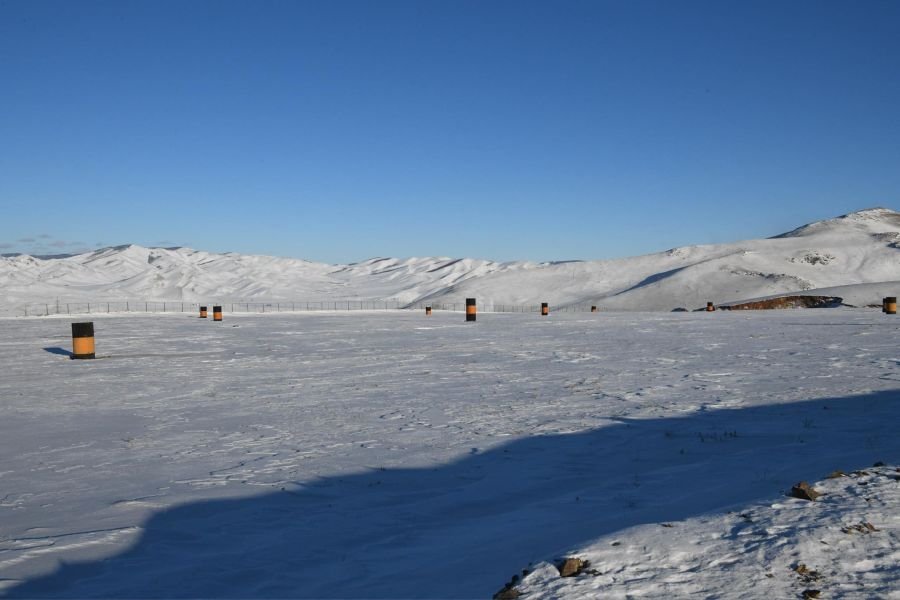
(337, 131)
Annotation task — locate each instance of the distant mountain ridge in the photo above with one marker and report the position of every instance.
(858, 249)
(873, 219)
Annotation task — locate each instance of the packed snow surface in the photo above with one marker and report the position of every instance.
(861, 248)
(392, 455)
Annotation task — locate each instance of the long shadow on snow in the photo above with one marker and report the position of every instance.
(461, 529)
(59, 351)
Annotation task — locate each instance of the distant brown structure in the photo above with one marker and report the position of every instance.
(545, 309)
(788, 302)
(710, 307)
(890, 305)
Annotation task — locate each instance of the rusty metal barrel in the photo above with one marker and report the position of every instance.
(83, 340)
(471, 309)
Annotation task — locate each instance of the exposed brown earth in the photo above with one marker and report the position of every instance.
(788, 302)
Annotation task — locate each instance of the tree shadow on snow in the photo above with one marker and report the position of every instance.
(459, 530)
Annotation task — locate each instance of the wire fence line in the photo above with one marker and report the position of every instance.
(165, 306)
(503, 308)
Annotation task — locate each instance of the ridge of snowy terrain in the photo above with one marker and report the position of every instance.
(841, 545)
(858, 248)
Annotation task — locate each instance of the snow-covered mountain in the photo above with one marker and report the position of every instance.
(860, 250)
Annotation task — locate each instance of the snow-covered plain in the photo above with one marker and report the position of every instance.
(392, 455)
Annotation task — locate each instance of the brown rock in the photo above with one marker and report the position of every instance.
(571, 567)
(805, 574)
(507, 593)
(864, 527)
(803, 491)
(811, 594)
(788, 302)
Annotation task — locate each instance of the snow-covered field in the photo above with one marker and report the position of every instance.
(389, 455)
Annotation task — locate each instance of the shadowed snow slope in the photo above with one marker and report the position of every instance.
(858, 248)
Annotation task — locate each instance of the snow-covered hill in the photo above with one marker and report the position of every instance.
(858, 248)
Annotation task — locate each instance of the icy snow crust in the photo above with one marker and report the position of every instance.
(859, 248)
(390, 455)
